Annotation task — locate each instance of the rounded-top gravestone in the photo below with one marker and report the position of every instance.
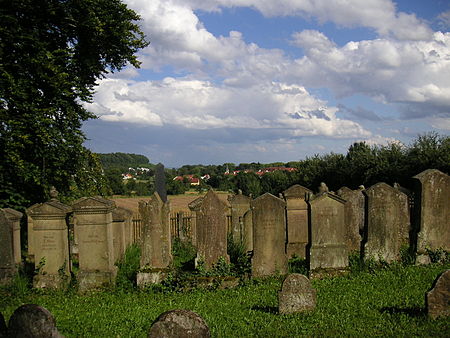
(180, 324)
(32, 321)
(296, 295)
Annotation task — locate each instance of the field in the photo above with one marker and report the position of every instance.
(177, 202)
(386, 302)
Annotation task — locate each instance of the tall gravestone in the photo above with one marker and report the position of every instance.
(15, 216)
(211, 229)
(119, 232)
(156, 251)
(269, 236)
(51, 244)
(354, 216)
(328, 250)
(388, 223)
(160, 182)
(240, 204)
(433, 211)
(297, 220)
(94, 230)
(247, 219)
(7, 265)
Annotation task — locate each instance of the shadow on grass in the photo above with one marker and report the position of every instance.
(410, 311)
(266, 309)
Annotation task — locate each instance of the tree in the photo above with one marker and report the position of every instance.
(52, 52)
(249, 183)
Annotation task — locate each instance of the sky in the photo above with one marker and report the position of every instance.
(267, 81)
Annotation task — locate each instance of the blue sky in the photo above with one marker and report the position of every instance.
(267, 81)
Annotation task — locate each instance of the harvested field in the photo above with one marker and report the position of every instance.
(177, 202)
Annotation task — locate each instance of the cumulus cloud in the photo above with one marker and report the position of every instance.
(393, 71)
(380, 15)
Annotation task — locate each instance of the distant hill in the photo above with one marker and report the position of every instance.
(122, 160)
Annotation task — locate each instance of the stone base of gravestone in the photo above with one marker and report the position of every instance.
(7, 275)
(179, 324)
(296, 295)
(423, 260)
(90, 280)
(438, 298)
(325, 273)
(144, 279)
(328, 256)
(51, 282)
(32, 320)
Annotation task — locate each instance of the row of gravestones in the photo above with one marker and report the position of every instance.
(101, 234)
(322, 228)
(296, 296)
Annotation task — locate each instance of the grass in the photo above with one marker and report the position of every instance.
(386, 302)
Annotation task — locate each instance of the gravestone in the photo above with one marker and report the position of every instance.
(297, 220)
(353, 216)
(247, 220)
(438, 298)
(7, 265)
(156, 251)
(296, 295)
(269, 236)
(32, 320)
(94, 231)
(30, 239)
(211, 229)
(51, 244)
(179, 324)
(121, 231)
(328, 252)
(432, 211)
(240, 204)
(194, 206)
(15, 216)
(160, 182)
(124, 216)
(388, 223)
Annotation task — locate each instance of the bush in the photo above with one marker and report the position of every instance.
(128, 268)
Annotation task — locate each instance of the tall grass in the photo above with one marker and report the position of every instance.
(389, 301)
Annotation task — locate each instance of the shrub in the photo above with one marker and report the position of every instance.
(128, 267)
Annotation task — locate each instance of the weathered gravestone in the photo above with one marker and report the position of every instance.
(432, 211)
(32, 320)
(269, 236)
(296, 295)
(297, 220)
(387, 223)
(94, 231)
(247, 220)
(15, 216)
(328, 252)
(51, 244)
(7, 265)
(240, 204)
(179, 324)
(211, 229)
(156, 255)
(438, 298)
(123, 226)
(353, 216)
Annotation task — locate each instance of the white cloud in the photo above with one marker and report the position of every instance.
(380, 15)
(386, 69)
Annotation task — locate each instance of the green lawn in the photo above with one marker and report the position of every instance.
(388, 302)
